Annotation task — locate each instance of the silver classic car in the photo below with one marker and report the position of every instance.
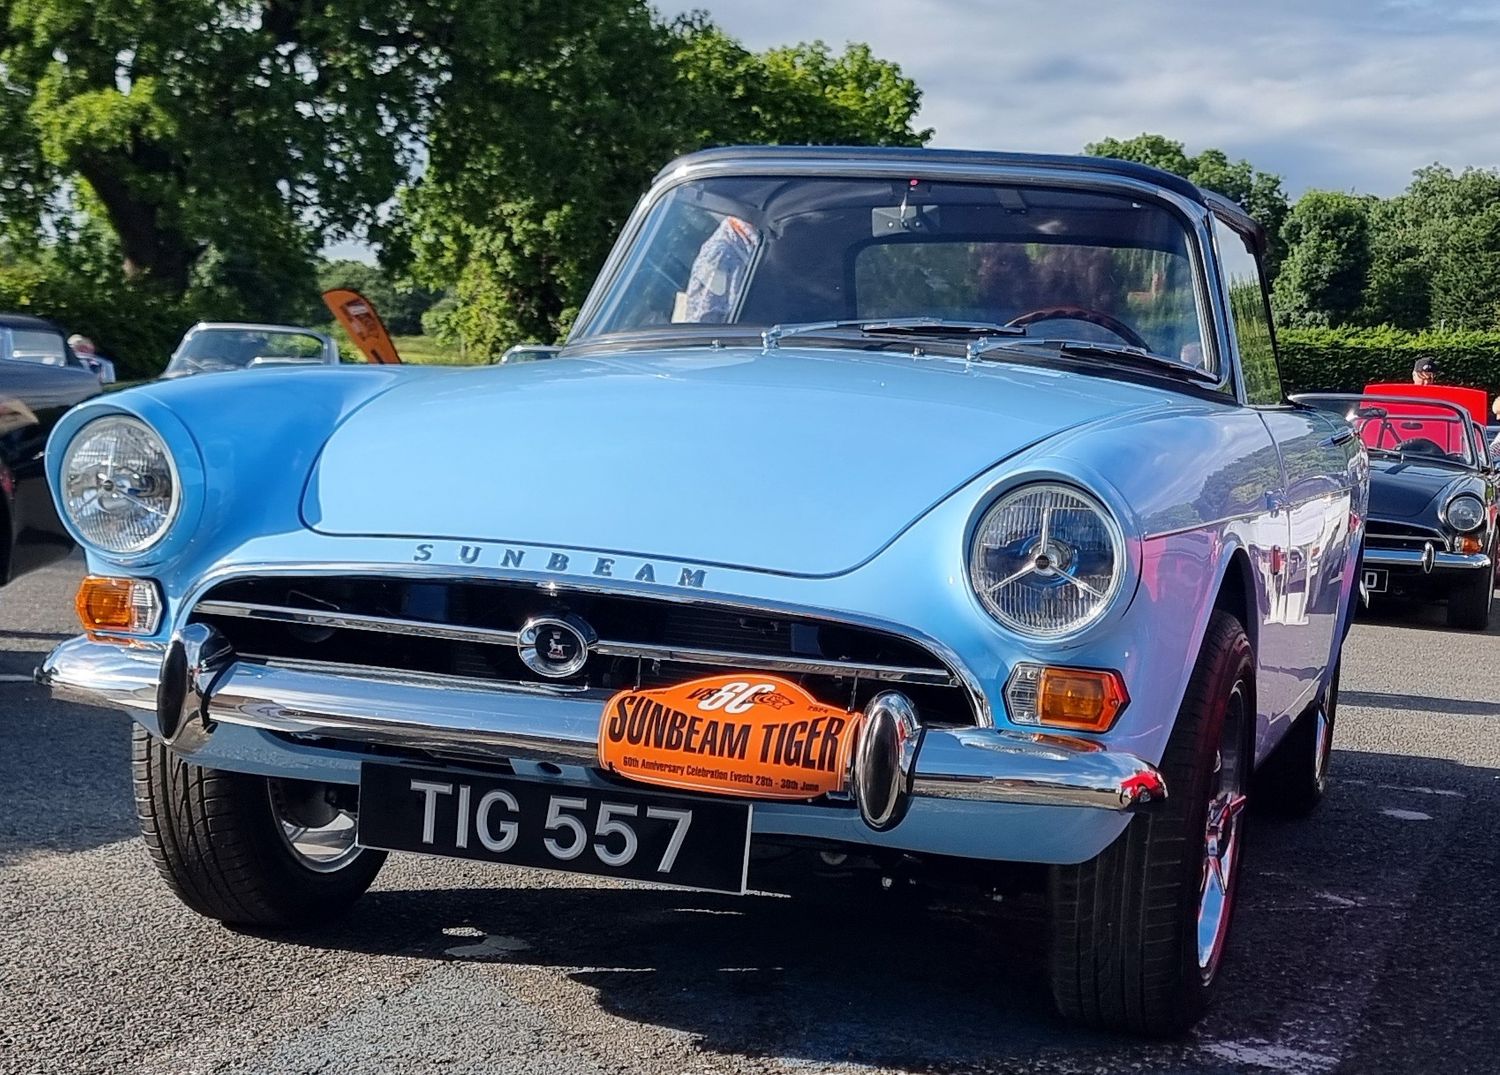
(924, 510)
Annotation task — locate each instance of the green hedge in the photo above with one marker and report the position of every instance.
(1345, 360)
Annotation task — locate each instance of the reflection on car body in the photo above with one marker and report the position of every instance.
(937, 510)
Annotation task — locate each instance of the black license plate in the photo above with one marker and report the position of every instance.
(668, 839)
(1375, 580)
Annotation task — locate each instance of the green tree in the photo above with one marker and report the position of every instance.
(531, 179)
(1435, 252)
(197, 124)
(1259, 193)
(1323, 278)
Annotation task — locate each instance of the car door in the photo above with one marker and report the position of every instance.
(1310, 568)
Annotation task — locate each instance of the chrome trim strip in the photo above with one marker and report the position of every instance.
(693, 655)
(452, 717)
(606, 647)
(440, 680)
(354, 621)
(1415, 557)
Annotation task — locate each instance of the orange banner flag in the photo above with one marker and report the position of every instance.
(357, 314)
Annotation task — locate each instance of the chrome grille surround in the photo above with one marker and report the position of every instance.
(1382, 534)
(925, 665)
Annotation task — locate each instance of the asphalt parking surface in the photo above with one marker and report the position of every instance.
(1368, 938)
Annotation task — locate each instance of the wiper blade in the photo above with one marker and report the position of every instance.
(1123, 353)
(891, 326)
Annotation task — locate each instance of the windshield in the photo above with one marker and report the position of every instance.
(1407, 429)
(239, 348)
(762, 251)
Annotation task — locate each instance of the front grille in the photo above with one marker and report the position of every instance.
(468, 628)
(1380, 534)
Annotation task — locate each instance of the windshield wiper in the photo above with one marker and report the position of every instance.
(933, 327)
(1122, 353)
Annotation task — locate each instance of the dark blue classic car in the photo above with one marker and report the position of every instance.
(40, 378)
(1431, 531)
(932, 511)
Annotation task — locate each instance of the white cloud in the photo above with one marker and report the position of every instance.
(1349, 94)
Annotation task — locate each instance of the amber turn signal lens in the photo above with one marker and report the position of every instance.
(1468, 544)
(1080, 698)
(118, 606)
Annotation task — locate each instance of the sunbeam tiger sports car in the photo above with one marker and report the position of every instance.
(922, 509)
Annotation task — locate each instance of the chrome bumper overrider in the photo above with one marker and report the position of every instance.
(1422, 560)
(196, 683)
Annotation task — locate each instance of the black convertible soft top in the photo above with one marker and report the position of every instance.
(919, 157)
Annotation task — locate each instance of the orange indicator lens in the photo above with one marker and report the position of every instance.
(1080, 698)
(120, 606)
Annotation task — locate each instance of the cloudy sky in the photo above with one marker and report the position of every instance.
(1342, 94)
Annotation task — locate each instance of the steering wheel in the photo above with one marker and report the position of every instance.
(1423, 446)
(1109, 322)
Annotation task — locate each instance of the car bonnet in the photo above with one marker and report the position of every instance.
(797, 461)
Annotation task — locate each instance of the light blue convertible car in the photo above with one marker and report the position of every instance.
(922, 510)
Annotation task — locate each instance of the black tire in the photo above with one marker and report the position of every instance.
(217, 842)
(1124, 925)
(1294, 779)
(1469, 603)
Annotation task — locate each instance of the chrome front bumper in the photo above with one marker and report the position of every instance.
(1426, 560)
(195, 684)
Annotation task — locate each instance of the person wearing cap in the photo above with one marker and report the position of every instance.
(1424, 371)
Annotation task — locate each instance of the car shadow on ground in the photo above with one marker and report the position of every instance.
(65, 771)
(1358, 927)
(1419, 615)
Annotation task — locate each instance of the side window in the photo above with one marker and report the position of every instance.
(1251, 315)
(30, 345)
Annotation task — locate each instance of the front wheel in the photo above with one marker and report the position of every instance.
(1469, 603)
(248, 850)
(1138, 932)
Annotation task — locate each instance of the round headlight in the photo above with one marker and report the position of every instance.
(1047, 560)
(119, 485)
(1465, 512)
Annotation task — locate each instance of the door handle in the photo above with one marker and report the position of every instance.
(1343, 436)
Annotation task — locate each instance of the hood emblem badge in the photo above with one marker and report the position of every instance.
(555, 646)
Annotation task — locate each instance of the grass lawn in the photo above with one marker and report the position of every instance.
(425, 350)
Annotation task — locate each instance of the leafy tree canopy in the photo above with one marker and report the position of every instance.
(1259, 193)
(224, 141)
(1323, 278)
(198, 125)
(1435, 252)
(531, 178)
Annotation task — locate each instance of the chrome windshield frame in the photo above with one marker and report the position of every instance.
(1196, 219)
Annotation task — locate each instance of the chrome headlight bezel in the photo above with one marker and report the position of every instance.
(1455, 501)
(1120, 550)
(166, 469)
